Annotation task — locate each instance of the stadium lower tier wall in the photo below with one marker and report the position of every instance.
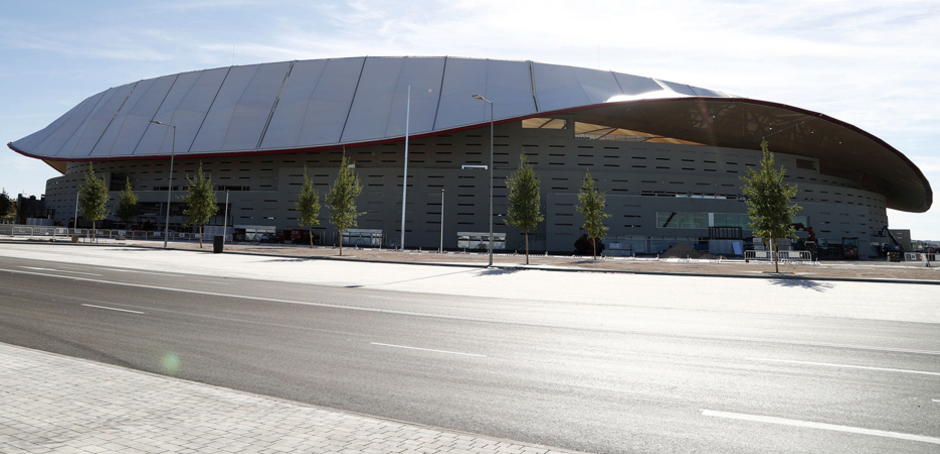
(652, 188)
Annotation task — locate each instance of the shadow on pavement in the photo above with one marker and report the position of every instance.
(406, 280)
(137, 249)
(296, 259)
(497, 271)
(803, 283)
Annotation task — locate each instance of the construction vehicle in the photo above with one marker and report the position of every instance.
(808, 244)
(893, 250)
(850, 248)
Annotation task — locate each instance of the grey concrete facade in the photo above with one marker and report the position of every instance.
(641, 178)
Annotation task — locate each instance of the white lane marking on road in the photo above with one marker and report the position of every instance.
(427, 349)
(61, 271)
(119, 270)
(113, 309)
(476, 319)
(207, 281)
(820, 425)
(846, 366)
(935, 400)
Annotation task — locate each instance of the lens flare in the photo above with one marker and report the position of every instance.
(171, 363)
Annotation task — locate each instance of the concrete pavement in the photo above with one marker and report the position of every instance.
(50, 403)
(56, 404)
(800, 297)
(861, 270)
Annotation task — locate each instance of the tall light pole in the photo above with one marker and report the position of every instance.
(169, 188)
(404, 184)
(441, 250)
(225, 218)
(75, 226)
(481, 98)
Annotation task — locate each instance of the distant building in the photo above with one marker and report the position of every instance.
(31, 208)
(669, 155)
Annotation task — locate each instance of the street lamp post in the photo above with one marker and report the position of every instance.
(169, 188)
(404, 184)
(75, 225)
(225, 218)
(441, 250)
(481, 98)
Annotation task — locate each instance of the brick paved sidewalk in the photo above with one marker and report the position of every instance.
(56, 404)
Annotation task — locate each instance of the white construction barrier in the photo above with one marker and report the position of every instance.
(757, 255)
(782, 256)
(794, 256)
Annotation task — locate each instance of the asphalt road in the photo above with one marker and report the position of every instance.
(598, 377)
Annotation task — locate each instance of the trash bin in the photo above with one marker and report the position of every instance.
(217, 242)
(75, 238)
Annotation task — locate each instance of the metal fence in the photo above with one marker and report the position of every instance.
(617, 246)
(921, 257)
(85, 235)
(782, 256)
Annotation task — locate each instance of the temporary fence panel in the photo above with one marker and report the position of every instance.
(794, 256)
(480, 241)
(757, 255)
(363, 237)
(782, 256)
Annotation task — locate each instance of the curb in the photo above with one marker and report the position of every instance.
(777, 276)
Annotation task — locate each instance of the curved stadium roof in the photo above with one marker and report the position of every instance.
(312, 104)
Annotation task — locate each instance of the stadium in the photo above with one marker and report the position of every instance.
(668, 155)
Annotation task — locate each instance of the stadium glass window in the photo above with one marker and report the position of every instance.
(702, 220)
(731, 220)
(681, 220)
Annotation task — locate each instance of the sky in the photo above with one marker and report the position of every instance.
(873, 64)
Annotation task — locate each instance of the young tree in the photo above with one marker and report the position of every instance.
(201, 203)
(127, 204)
(7, 206)
(768, 202)
(93, 199)
(308, 204)
(342, 200)
(524, 200)
(591, 205)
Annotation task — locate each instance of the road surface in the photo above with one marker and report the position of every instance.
(611, 375)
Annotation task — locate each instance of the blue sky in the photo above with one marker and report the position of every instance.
(875, 64)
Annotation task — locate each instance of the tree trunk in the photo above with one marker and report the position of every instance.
(94, 233)
(773, 250)
(527, 248)
(593, 247)
(311, 237)
(200, 236)
(340, 243)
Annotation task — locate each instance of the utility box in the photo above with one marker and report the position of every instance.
(217, 242)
